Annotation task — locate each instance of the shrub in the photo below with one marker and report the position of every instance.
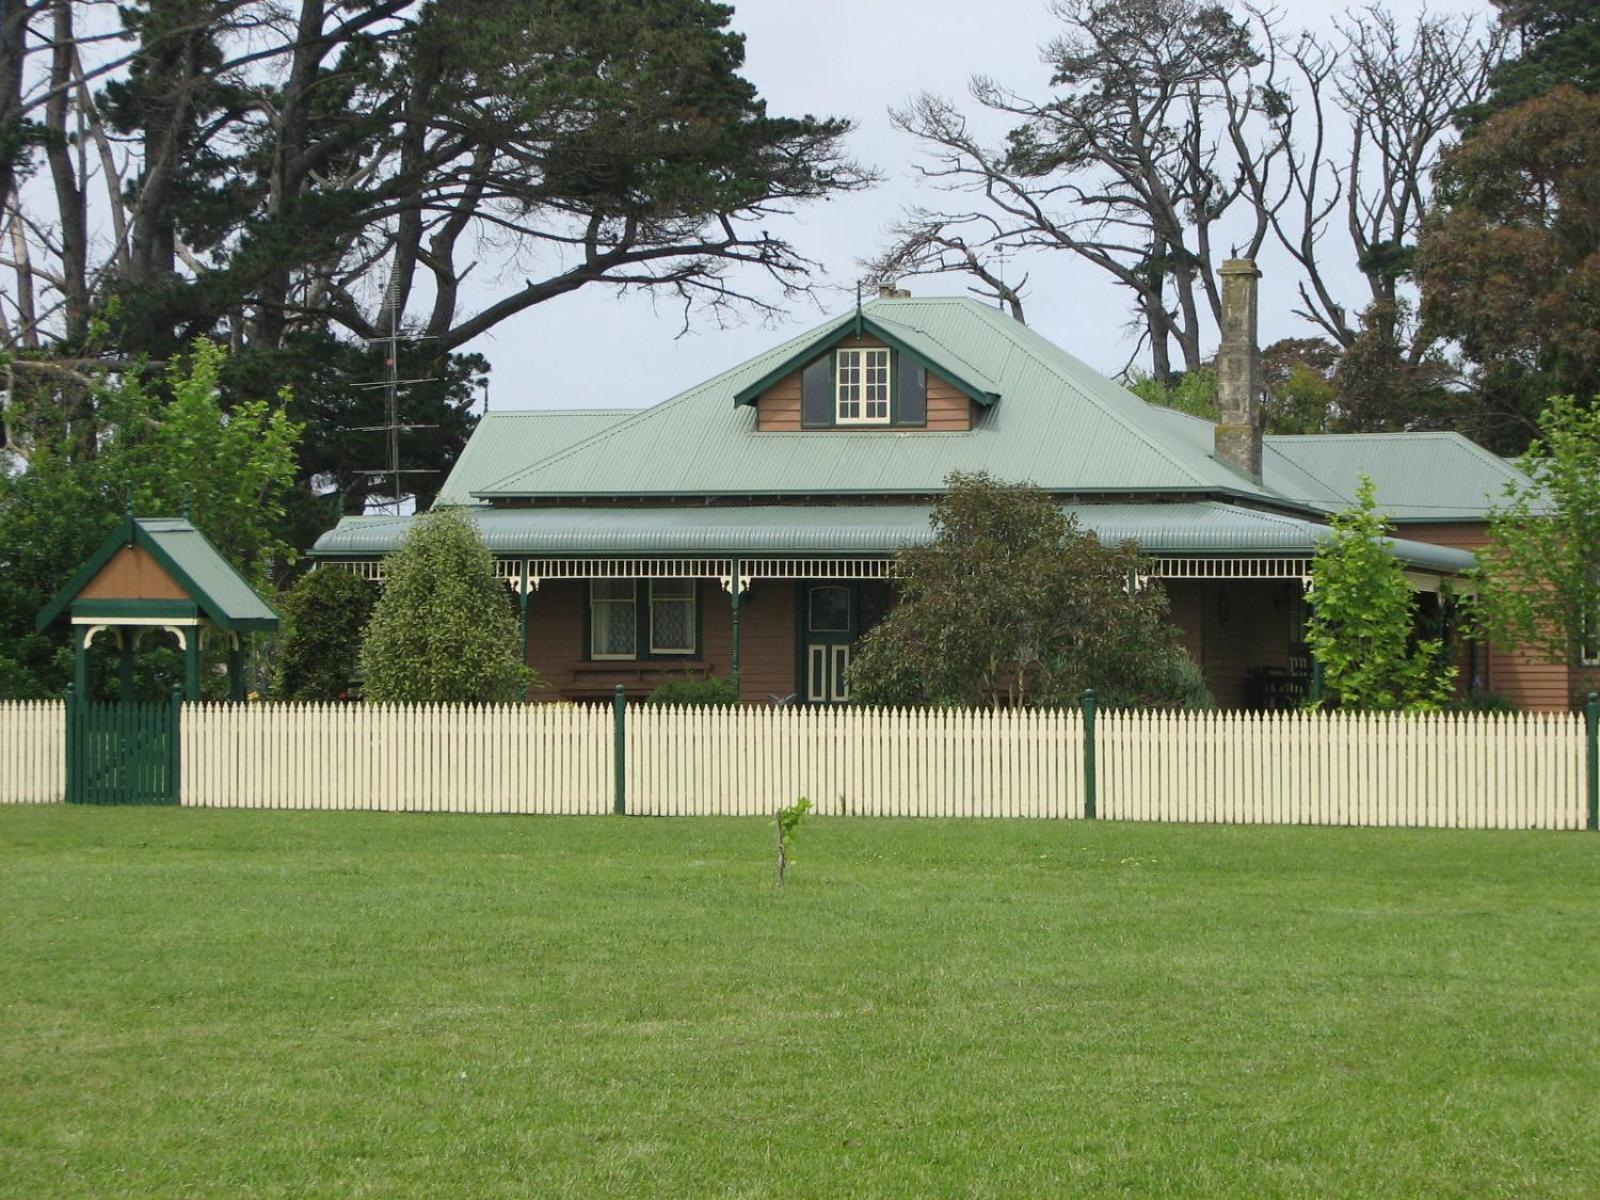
(442, 631)
(1363, 620)
(323, 617)
(1012, 605)
(1174, 681)
(693, 689)
(1483, 702)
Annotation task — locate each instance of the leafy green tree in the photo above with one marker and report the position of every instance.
(1192, 392)
(324, 614)
(1539, 584)
(161, 450)
(296, 177)
(1556, 44)
(1013, 604)
(442, 630)
(1508, 263)
(1298, 393)
(1362, 630)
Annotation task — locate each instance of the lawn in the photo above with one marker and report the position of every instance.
(274, 1004)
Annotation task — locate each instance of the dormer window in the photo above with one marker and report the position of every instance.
(861, 394)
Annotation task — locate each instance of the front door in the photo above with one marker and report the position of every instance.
(829, 619)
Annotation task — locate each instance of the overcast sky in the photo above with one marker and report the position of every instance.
(851, 58)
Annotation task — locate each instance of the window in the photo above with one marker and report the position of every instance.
(861, 396)
(672, 616)
(613, 618)
(829, 610)
(633, 619)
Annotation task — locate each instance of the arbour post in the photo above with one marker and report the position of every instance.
(80, 660)
(1591, 716)
(191, 662)
(236, 691)
(1089, 805)
(619, 751)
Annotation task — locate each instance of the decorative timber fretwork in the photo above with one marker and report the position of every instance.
(528, 573)
(1233, 568)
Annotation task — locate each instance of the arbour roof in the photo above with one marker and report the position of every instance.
(217, 591)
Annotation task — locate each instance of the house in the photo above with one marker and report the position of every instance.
(746, 527)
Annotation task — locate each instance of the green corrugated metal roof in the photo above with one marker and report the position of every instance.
(1059, 424)
(221, 592)
(509, 441)
(1417, 476)
(1197, 528)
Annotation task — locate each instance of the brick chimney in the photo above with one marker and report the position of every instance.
(1238, 433)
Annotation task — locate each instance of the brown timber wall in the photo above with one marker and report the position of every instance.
(1519, 675)
(133, 574)
(556, 647)
(778, 408)
(1230, 627)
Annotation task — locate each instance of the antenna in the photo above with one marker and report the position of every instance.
(392, 426)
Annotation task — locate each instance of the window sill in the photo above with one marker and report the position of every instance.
(657, 666)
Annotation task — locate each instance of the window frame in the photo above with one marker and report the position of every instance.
(691, 597)
(642, 601)
(860, 356)
(632, 602)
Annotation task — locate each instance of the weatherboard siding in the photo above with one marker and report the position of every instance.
(1519, 675)
(1236, 627)
(778, 408)
(133, 574)
(556, 648)
(766, 638)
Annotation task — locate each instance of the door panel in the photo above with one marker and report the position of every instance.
(831, 615)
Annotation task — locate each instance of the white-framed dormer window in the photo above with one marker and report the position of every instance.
(861, 392)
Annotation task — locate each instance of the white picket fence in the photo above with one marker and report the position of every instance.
(1492, 771)
(523, 758)
(1461, 771)
(33, 758)
(855, 762)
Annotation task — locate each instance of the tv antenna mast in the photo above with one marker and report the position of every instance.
(391, 383)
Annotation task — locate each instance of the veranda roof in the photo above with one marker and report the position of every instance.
(1184, 529)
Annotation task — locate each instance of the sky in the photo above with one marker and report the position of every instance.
(852, 58)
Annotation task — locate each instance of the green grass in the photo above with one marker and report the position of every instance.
(274, 1004)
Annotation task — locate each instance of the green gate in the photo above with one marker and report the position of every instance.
(122, 753)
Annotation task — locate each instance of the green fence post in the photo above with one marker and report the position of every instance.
(71, 773)
(175, 779)
(619, 750)
(1089, 806)
(1592, 720)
